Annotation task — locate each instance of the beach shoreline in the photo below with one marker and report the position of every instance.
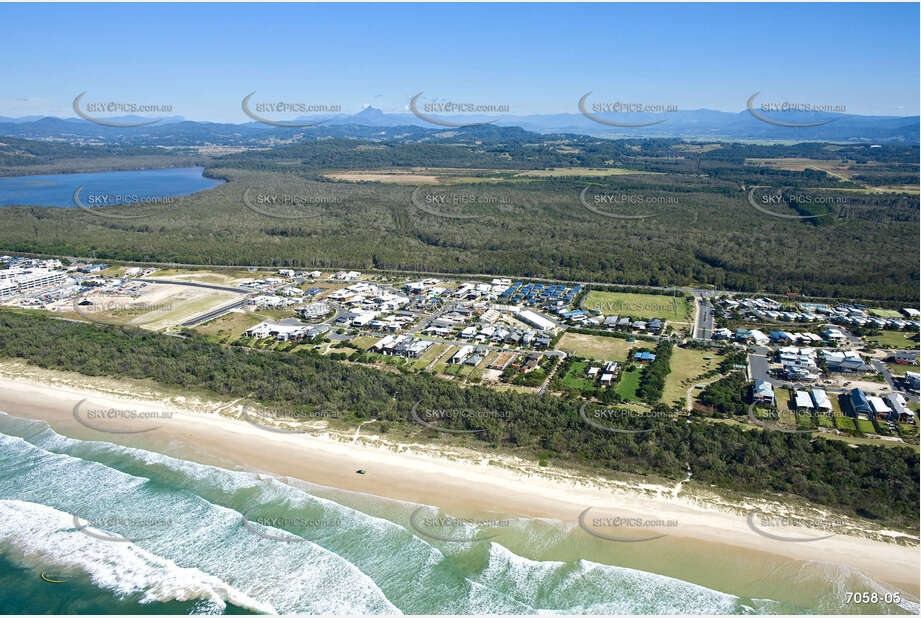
(439, 476)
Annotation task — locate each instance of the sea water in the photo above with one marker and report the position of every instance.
(160, 534)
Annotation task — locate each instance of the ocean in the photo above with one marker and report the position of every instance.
(125, 187)
(127, 530)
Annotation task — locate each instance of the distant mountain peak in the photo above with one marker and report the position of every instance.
(369, 114)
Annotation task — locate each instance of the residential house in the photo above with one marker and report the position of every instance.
(859, 403)
(802, 402)
(763, 393)
(822, 402)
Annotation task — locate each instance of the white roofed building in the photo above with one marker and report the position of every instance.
(821, 400)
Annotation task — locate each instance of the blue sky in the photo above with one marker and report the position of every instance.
(536, 58)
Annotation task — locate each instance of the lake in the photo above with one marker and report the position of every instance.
(103, 188)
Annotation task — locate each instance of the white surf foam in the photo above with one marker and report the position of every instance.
(41, 535)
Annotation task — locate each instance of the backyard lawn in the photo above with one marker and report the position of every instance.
(845, 423)
(575, 378)
(629, 381)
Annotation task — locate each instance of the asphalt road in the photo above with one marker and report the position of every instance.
(758, 367)
(210, 286)
(880, 366)
(703, 327)
(214, 313)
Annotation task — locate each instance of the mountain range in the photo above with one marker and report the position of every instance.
(373, 123)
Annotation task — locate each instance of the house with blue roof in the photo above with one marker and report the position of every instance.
(859, 402)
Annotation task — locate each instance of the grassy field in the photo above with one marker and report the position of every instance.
(783, 397)
(626, 387)
(836, 403)
(429, 355)
(686, 366)
(575, 379)
(364, 342)
(787, 419)
(895, 339)
(900, 370)
(646, 306)
(870, 441)
(885, 313)
(865, 426)
(230, 325)
(845, 423)
(443, 363)
(601, 348)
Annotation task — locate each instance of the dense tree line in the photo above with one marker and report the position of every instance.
(873, 481)
(652, 380)
(702, 230)
(727, 396)
(712, 236)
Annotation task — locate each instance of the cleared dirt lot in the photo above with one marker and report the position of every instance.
(157, 307)
(600, 348)
(583, 171)
(386, 177)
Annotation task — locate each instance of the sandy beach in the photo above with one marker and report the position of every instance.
(459, 483)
